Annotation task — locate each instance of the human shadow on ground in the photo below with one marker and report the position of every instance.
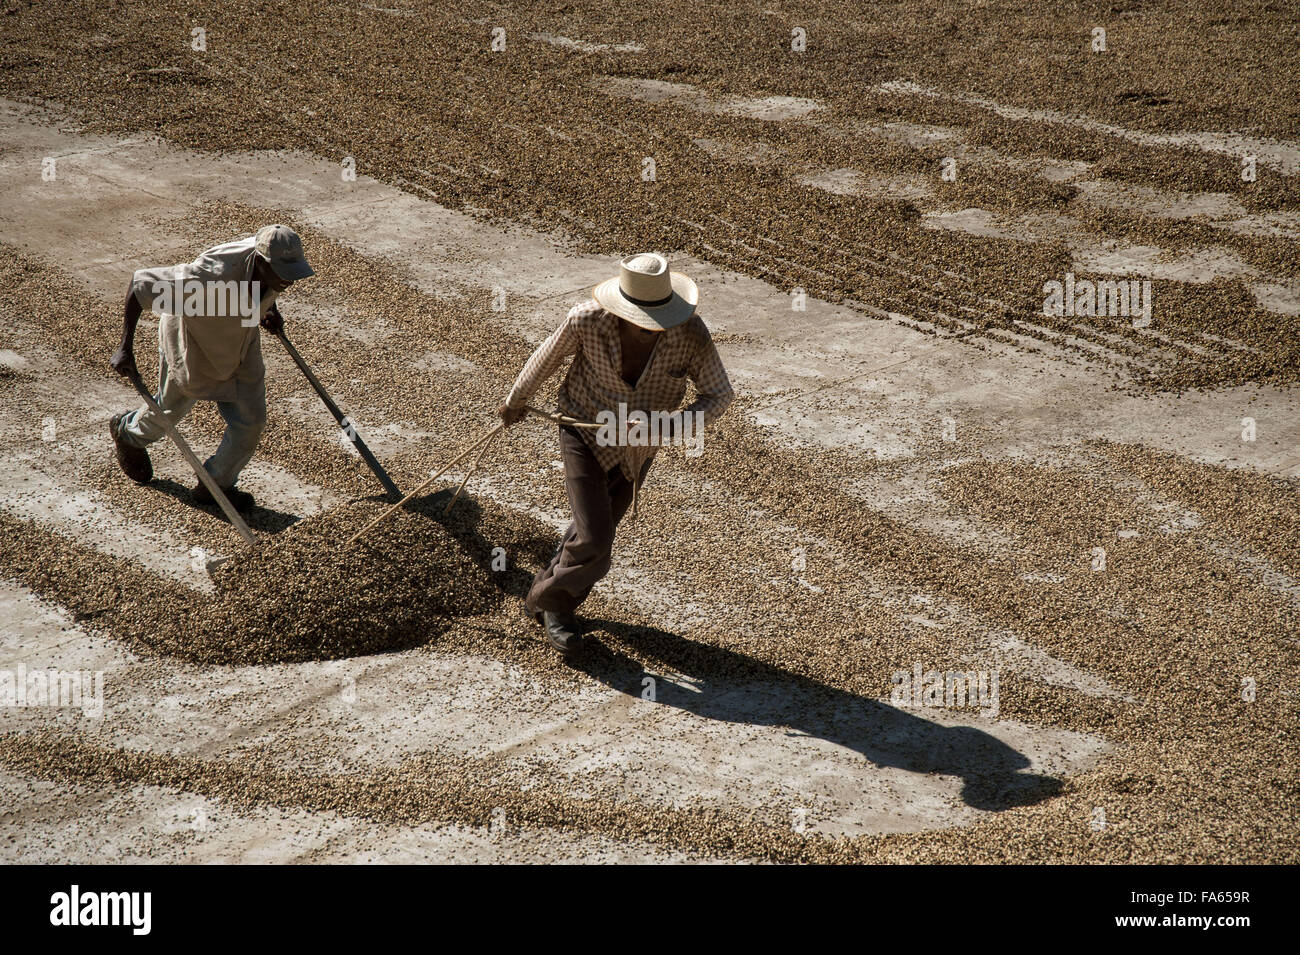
(732, 687)
(729, 686)
(258, 518)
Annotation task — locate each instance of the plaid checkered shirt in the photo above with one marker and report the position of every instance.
(594, 382)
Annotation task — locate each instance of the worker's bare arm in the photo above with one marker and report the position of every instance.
(123, 360)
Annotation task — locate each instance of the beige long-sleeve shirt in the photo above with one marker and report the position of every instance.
(594, 382)
(209, 311)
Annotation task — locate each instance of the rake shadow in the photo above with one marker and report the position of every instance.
(467, 522)
(259, 518)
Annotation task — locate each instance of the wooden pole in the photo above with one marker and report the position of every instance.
(473, 467)
(562, 419)
(200, 471)
(450, 464)
(371, 462)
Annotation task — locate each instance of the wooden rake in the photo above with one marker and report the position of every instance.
(481, 446)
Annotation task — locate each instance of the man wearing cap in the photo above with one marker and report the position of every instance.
(209, 349)
(635, 344)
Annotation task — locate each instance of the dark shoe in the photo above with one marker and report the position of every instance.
(133, 461)
(241, 500)
(561, 630)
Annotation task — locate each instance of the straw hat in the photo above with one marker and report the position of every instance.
(647, 293)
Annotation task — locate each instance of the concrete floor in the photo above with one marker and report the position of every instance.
(831, 376)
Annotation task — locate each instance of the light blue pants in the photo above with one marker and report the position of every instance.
(245, 420)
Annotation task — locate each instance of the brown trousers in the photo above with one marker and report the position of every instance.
(598, 499)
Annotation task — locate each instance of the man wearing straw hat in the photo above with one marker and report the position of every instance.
(634, 345)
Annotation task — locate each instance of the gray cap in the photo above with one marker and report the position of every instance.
(281, 247)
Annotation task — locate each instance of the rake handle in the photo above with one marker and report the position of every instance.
(447, 467)
(562, 419)
(472, 468)
(341, 418)
(200, 471)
